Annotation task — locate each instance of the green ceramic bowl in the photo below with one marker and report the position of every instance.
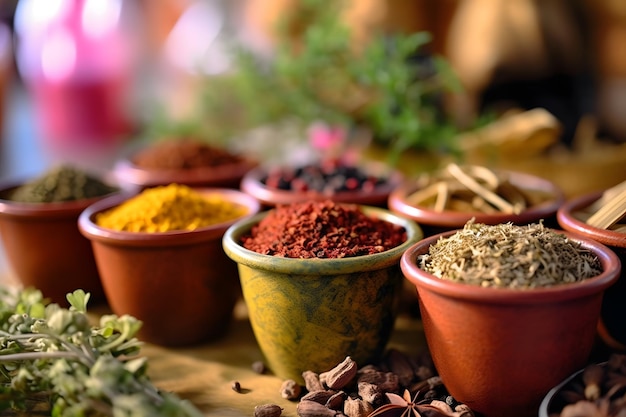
(309, 314)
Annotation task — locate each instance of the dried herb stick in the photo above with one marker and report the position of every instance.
(612, 207)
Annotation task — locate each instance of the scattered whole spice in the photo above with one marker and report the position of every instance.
(267, 410)
(183, 154)
(597, 391)
(375, 390)
(259, 367)
(62, 183)
(290, 390)
(329, 176)
(321, 230)
(507, 255)
(167, 208)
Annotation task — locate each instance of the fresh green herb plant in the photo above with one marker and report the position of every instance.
(392, 87)
(54, 358)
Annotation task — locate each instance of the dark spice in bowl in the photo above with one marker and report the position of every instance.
(61, 183)
(328, 176)
(322, 229)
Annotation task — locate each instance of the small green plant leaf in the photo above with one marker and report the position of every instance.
(78, 300)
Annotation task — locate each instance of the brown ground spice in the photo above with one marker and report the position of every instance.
(322, 230)
(183, 154)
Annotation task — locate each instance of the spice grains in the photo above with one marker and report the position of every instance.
(60, 184)
(168, 208)
(323, 229)
(506, 255)
(184, 153)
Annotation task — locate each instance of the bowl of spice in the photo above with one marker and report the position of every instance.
(321, 281)
(508, 311)
(160, 259)
(600, 216)
(448, 198)
(596, 390)
(187, 161)
(38, 226)
(330, 178)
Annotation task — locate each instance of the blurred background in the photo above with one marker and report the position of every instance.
(81, 79)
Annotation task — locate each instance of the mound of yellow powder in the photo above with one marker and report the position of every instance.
(168, 208)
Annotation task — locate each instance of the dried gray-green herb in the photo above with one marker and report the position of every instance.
(507, 255)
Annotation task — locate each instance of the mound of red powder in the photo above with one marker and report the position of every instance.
(322, 230)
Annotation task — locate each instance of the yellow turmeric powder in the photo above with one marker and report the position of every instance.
(168, 208)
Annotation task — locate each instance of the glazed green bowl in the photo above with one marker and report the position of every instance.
(309, 314)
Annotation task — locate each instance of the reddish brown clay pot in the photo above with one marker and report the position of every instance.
(253, 184)
(180, 284)
(501, 350)
(45, 249)
(611, 328)
(434, 222)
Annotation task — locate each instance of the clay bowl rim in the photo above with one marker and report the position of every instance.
(567, 220)
(125, 171)
(316, 266)
(611, 267)
(93, 232)
(454, 219)
(12, 208)
(252, 184)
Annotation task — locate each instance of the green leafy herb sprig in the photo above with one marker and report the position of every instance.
(54, 358)
(391, 86)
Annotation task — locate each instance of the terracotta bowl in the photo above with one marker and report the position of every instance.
(253, 183)
(180, 284)
(135, 178)
(569, 216)
(45, 249)
(434, 222)
(309, 314)
(501, 350)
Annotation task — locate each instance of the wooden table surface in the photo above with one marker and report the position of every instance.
(204, 374)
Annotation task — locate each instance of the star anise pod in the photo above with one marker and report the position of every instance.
(404, 406)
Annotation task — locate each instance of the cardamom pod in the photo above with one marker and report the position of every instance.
(319, 396)
(336, 400)
(386, 381)
(400, 364)
(312, 381)
(313, 409)
(341, 375)
(267, 410)
(356, 407)
(290, 389)
(371, 393)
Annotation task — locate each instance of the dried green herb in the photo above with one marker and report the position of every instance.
(507, 255)
(61, 183)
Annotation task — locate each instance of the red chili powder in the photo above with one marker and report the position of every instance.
(322, 230)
